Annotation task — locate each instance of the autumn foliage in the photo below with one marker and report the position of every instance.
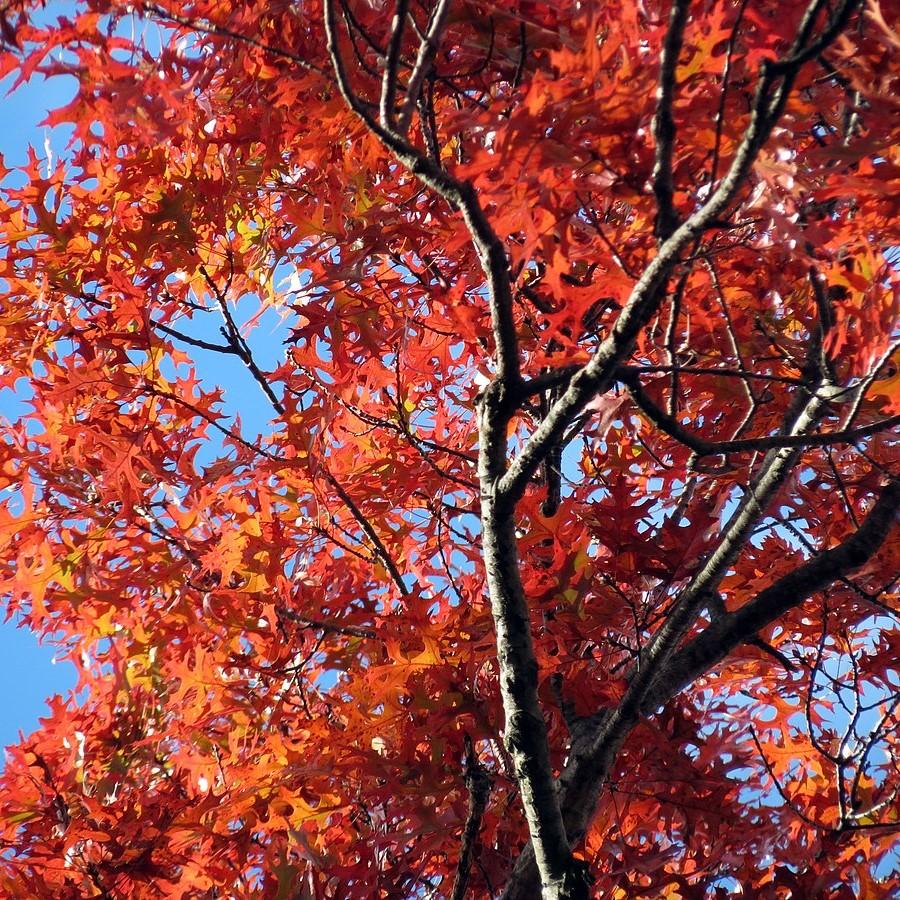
(566, 552)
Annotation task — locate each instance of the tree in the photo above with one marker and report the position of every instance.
(567, 555)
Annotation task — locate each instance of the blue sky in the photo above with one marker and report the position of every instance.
(28, 675)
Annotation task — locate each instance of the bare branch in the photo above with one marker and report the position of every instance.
(427, 51)
(726, 72)
(224, 31)
(377, 544)
(732, 334)
(212, 420)
(703, 447)
(419, 444)
(778, 785)
(460, 195)
(671, 334)
(194, 342)
(664, 122)
(866, 382)
(389, 78)
(325, 627)
(773, 89)
(732, 629)
(716, 371)
(241, 348)
(547, 379)
(478, 783)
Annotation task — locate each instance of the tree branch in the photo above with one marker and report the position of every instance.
(194, 342)
(378, 545)
(703, 447)
(223, 31)
(459, 194)
(774, 86)
(325, 627)
(743, 374)
(241, 348)
(726, 73)
(729, 631)
(664, 123)
(427, 51)
(478, 783)
(594, 751)
(389, 77)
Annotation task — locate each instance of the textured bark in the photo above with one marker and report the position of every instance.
(558, 811)
(592, 756)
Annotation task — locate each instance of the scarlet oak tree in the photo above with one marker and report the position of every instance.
(565, 564)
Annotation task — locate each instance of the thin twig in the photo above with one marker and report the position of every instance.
(224, 31)
(703, 447)
(325, 627)
(478, 783)
(371, 533)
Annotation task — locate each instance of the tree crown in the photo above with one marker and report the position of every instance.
(566, 550)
